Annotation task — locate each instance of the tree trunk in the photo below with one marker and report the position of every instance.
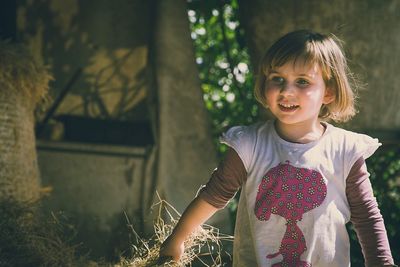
(187, 155)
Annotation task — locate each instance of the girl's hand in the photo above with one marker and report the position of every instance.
(171, 249)
(195, 214)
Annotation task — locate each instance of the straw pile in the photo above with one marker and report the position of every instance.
(20, 72)
(204, 243)
(29, 238)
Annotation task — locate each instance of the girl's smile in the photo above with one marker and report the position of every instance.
(287, 107)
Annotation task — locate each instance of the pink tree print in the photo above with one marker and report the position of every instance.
(289, 192)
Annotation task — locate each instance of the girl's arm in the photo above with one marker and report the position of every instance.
(195, 215)
(222, 186)
(366, 217)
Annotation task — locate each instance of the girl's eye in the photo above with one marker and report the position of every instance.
(303, 83)
(277, 80)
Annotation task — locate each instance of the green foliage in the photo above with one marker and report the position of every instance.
(223, 63)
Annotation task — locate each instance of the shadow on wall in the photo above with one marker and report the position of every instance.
(95, 149)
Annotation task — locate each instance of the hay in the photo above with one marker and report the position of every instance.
(205, 241)
(21, 72)
(28, 238)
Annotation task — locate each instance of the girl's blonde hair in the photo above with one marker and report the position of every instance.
(311, 48)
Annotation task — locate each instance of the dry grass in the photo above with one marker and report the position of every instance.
(20, 71)
(28, 238)
(204, 242)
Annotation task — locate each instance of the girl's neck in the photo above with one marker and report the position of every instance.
(300, 133)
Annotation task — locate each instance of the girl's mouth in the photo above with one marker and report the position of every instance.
(287, 107)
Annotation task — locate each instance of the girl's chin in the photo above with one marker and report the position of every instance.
(292, 121)
(287, 118)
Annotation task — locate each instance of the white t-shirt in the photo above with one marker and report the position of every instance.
(293, 206)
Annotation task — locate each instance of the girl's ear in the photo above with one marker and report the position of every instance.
(329, 96)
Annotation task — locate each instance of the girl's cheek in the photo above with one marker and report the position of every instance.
(271, 90)
(269, 94)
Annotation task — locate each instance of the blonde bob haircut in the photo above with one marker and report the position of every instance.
(310, 48)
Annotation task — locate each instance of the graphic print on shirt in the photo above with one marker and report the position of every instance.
(289, 192)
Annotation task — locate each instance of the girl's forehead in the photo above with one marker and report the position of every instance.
(299, 67)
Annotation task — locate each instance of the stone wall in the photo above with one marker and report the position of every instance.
(371, 34)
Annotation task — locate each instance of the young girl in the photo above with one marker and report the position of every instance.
(302, 178)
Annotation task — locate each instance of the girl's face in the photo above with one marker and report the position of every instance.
(295, 93)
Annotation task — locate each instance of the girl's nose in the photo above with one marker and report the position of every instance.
(287, 89)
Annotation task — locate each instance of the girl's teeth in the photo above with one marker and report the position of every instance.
(288, 106)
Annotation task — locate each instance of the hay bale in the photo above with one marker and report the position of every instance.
(23, 82)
